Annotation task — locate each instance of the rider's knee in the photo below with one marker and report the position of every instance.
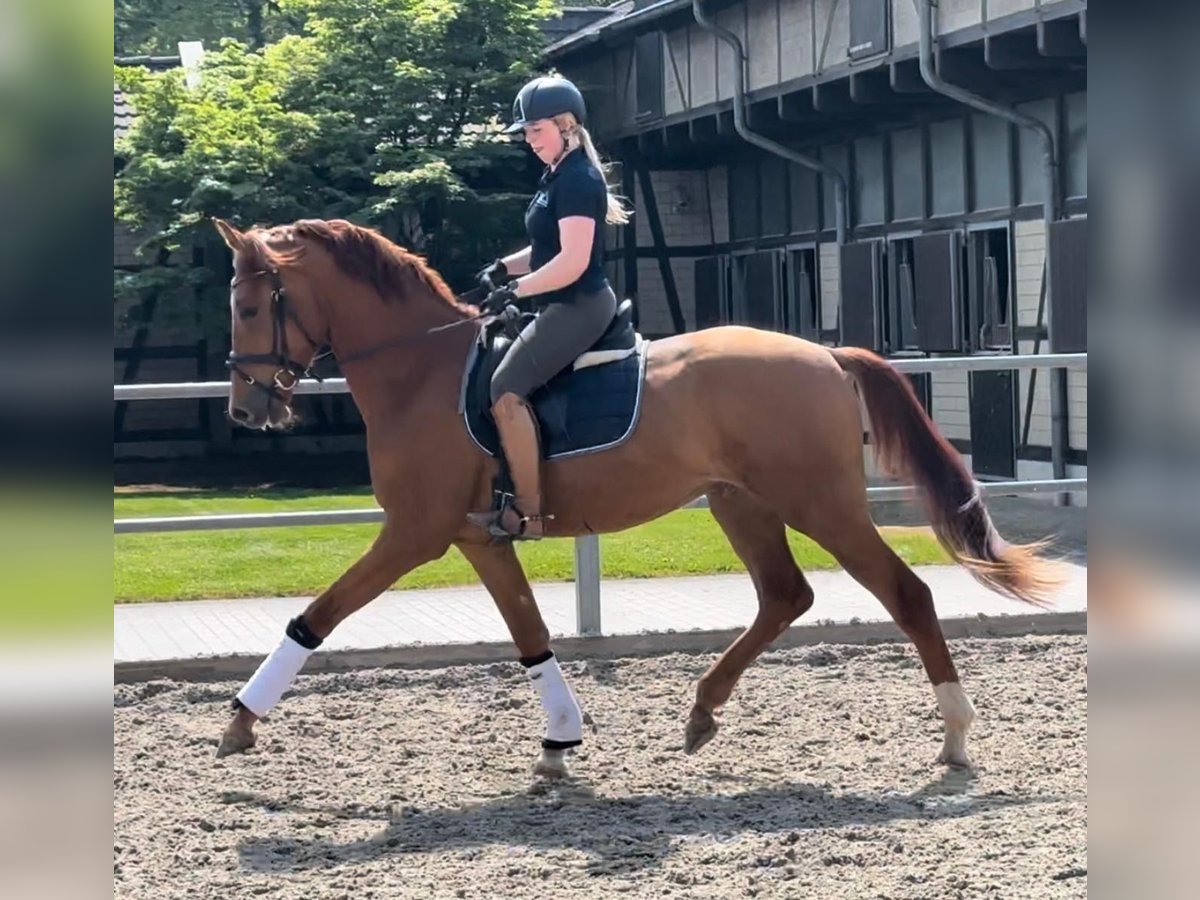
(505, 400)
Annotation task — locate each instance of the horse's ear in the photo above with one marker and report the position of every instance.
(233, 238)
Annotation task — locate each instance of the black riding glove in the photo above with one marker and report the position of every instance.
(493, 276)
(500, 298)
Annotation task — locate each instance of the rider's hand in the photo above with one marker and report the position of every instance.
(493, 276)
(501, 297)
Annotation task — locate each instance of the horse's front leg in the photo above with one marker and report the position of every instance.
(392, 555)
(502, 575)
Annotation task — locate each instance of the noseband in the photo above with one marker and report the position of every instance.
(289, 371)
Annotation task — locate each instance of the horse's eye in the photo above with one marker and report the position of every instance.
(248, 312)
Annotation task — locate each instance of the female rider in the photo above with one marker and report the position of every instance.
(562, 269)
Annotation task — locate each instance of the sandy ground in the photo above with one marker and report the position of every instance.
(821, 784)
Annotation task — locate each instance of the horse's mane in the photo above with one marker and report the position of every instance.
(364, 254)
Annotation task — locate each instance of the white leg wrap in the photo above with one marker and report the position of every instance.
(273, 677)
(958, 714)
(564, 720)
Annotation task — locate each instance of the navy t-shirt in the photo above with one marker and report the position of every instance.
(575, 188)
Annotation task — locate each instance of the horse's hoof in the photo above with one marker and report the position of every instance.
(552, 765)
(235, 740)
(700, 730)
(955, 759)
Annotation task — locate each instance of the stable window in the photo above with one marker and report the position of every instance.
(648, 65)
(902, 291)
(743, 201)
(774, 196)
(862, 278)
(937, 298)
(712, 291)
(869, 31)
(1068, 286)
(993, 422)
(803, 302)
(924, 301)
(989, 267)
(757, 289)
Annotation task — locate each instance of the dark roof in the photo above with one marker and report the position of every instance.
(630, 16)
(123, 114)
(611, 14)
(150, 62)
(576, 18)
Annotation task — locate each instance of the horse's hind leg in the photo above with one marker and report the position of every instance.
(500, 571)
(852, 538)
(759, 538)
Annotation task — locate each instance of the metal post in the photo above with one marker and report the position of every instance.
(587, 585)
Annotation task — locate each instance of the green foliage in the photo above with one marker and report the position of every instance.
(155, 27)
(381, 112)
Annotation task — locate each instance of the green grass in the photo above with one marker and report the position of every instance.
(303, 561)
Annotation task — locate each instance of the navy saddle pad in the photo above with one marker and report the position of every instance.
(590, 406)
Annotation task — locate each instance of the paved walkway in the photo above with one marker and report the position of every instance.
(196, 629)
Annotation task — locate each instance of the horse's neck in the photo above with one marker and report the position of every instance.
(392, 357)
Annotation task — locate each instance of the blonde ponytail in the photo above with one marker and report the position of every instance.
(618, 213)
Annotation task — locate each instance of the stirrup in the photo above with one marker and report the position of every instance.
(492, 521)
(523, 524)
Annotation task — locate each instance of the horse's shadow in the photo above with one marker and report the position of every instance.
(623, 834)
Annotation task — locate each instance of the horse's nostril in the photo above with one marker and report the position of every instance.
(239, 415)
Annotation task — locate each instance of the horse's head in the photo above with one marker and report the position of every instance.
(276, 326)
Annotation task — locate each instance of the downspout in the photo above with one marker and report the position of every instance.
(1050, 174)
(750, 137)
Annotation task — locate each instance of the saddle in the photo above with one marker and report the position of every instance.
(590, 406)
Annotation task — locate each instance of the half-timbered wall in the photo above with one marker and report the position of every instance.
(951, 196)
(785, 40)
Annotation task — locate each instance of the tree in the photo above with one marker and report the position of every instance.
(155, 27)
(382, 112)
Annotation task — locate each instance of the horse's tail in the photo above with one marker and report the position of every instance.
(908, 445)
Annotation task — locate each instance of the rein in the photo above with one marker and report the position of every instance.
(281, 311)
(406, 338)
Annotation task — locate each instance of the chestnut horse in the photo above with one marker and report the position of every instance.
(767, 425)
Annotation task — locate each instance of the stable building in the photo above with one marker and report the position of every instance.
(858, 188)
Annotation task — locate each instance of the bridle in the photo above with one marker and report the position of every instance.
(281, 311)
(290, 371)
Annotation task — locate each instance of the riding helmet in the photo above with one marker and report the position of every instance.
(545, 98)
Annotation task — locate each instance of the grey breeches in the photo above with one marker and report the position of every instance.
(552, 341)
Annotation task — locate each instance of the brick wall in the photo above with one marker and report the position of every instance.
(951, 409)
(1077, 406)
(829, 266)
(1030, 256)
(683, 208)
(692, 206)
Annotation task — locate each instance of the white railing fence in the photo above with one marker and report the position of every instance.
(587, 547)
